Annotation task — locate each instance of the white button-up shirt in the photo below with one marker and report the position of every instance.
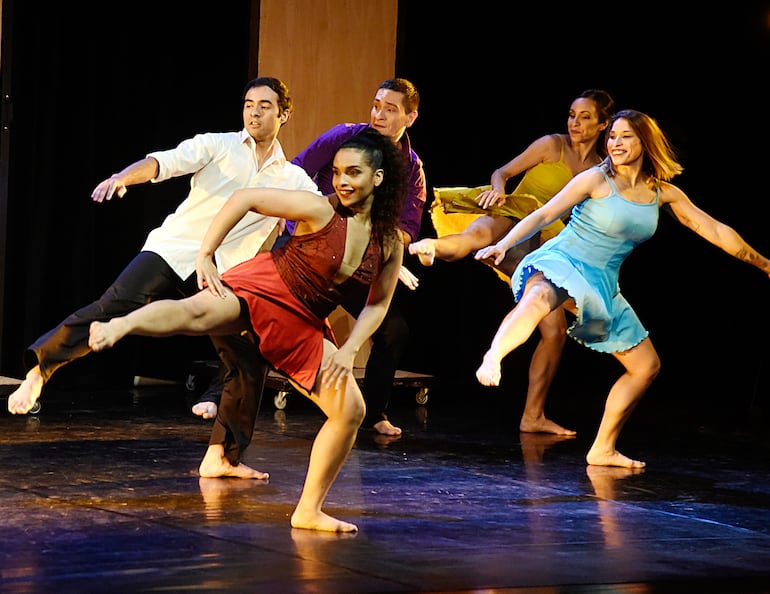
(220, 163)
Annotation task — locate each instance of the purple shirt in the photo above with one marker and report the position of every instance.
(317, 160)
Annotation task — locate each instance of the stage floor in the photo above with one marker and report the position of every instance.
(99, 493)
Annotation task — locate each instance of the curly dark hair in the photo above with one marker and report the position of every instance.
(382, 153)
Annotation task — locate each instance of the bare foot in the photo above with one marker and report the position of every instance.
(489, 372)
(614, 458)
(384, 440)
(215, 465)
(543, 425)
(385, 427)
(307, 542)
(425, 250)
(320, 521)
(21, 401)
(206, 410)
(102, 335)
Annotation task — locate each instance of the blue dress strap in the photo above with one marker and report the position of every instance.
(611, 183)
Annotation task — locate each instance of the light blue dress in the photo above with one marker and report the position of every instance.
(585, 259)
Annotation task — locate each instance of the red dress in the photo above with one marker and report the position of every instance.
(290, 291)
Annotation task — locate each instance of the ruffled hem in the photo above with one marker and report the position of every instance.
(607, 346)
(599, 334)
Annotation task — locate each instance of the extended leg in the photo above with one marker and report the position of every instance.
(539, 299)
(147, 277)
(480, 233)
(201, 314)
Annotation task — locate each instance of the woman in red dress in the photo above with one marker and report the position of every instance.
(344, 243)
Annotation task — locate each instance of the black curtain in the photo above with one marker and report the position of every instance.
(94, 89)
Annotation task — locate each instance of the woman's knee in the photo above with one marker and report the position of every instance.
(645, 363)
(357, 406)
(346, 405)
(353, 408)
(485, 230)
(651, 360)
(553, 328)
(541, 295)
(653, 369)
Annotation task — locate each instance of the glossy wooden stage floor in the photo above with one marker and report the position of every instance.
(99, 493)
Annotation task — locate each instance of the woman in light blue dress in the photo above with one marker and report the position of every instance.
(614, 208)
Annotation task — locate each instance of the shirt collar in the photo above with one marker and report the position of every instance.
(406, 146)
(276, 156)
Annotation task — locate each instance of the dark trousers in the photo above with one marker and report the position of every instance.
(238, 389)
(388, 345)
(146, 278)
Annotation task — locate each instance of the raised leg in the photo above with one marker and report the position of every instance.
(480, 233)
(200, 314)
(539, 299)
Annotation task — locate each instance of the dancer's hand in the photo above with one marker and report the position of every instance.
(410, 280)
(336, 369)
(490, 198)
(208, 275)
(425, 250)
(108, 188)
(491, 252)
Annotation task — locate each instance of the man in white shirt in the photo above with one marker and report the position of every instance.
(220, 163)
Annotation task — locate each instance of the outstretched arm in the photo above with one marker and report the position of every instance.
(137, 173)
(295, 205)
(721, 235)
(585, 184)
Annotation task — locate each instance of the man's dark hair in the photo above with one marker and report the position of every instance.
(411, 96)
(285, 103)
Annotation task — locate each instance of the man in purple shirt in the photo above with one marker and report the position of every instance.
(394, 109)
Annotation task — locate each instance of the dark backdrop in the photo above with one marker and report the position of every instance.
(94, 89)
(93, 92)
(493, 78)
